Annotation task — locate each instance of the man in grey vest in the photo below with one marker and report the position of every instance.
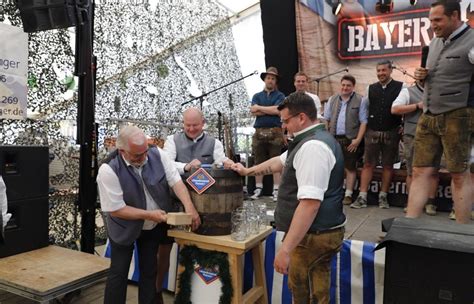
(448, 109)
(347, 121)
(309, 207)
(134, 186)
(188, 150)
(409, 104)
(193, 147)
(382, 136)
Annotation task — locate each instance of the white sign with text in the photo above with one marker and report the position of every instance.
(13, 72)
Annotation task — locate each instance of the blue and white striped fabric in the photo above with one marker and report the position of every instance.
(357, 273)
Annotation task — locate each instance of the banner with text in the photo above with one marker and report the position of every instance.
(360, 36)
(13, 72)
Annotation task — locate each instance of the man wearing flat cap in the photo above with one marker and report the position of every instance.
(267, 140)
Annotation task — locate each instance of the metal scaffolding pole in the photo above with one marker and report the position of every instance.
(86, 128)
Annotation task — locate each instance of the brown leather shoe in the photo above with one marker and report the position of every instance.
(347, 200)
(452, 215)
(159, 298)
(430, 209)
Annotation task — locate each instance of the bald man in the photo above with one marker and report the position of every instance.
(188, 150)
(193, 147)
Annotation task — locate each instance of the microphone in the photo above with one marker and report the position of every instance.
(255, 72)
(424, 55)
(318, 79)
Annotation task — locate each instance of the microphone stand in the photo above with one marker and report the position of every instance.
(201, 97)
(318, 79)
(403, 71)
(219, 126)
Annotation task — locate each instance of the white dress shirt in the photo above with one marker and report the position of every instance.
(170, 149)
(313, 164)
(317, 103)
(402, 99)
(111, 194)
(4, 203)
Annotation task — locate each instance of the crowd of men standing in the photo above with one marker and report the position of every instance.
(322, 147)
(432, 118)
(437, 119)
(368, 127)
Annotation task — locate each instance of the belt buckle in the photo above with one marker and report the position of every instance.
(266, 133)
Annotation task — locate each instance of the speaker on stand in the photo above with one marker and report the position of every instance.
(42, 15)
(25, 171)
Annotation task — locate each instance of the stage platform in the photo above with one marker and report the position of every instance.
(362, 224)
(365, 224)
(46, 274)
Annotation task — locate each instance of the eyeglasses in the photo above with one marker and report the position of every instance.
(135, 156)
(286, 120)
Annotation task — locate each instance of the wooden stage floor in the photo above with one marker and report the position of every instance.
(90, 295)
(362, 224)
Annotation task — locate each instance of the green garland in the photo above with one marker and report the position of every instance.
(206, 259)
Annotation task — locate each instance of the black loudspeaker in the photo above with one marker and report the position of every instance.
(24, 170)
(41, 15)
(27, 229)
(428, 261)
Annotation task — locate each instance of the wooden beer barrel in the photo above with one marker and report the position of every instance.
(216, 204)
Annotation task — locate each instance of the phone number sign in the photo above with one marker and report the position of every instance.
(13, 72)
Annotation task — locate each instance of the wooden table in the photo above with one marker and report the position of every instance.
(47, 273)
(235, 251)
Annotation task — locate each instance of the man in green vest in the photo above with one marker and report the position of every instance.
(309, 205)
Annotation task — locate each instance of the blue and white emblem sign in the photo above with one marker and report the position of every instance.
(200, 180)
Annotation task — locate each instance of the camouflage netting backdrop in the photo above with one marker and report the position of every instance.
(151, 59)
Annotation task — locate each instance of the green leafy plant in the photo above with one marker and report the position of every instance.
(206, 259)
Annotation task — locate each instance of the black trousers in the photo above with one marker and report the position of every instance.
(147, 248)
